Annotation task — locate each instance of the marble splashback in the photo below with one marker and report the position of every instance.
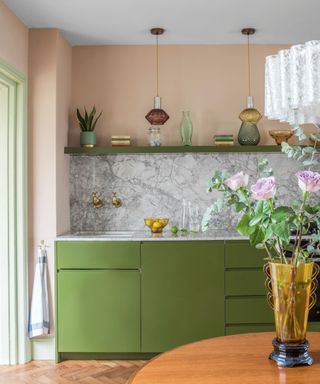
(155, 184)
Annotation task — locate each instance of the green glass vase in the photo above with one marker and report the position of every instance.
(186, 128)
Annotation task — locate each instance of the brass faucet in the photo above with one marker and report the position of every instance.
(116, 201)
(96, 201)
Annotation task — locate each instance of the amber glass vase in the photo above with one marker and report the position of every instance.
(291, 299)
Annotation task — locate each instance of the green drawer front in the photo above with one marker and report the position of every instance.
(248, 310)
(314, 327)
(249, 328)
(245, 282)
(236, 329)
(240, 254)
(98, 254)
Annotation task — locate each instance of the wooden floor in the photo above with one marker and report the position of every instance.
(70, 372)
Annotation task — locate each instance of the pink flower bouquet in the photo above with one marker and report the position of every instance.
(277, 229)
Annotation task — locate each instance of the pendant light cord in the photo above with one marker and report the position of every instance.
(157, 58)
(249, 82)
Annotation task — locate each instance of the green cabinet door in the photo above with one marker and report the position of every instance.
(182, 293)
(98, 310)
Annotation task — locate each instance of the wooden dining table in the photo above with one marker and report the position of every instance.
(236, 359)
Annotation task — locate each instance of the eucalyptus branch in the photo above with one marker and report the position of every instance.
(313, 153)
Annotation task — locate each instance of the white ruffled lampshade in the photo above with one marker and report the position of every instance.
(292, 84)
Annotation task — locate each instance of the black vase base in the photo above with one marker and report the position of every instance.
(290, 355)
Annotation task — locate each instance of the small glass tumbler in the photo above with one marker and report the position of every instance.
(194, 218)
(154, 136)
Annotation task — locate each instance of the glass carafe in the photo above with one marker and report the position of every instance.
(154, 136)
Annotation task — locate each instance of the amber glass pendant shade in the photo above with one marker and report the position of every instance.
(249, 133)
(250, 115)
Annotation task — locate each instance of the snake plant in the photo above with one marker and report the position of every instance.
(88, 121)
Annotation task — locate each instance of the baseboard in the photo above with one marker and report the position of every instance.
(43, 349)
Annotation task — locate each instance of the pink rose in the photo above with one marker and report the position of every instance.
(264, 188)
(237, 181)
(308, 181)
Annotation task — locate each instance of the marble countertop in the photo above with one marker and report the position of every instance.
(147, 236)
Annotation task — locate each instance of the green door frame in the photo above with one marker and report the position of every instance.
(17, 350)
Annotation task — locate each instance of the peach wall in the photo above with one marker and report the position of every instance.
(64, 60)
(49, 99)
(208, 80)
(13, 39)
(42, 137)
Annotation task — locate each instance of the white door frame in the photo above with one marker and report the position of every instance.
(14, 269)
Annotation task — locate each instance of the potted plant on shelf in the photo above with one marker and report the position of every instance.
(87, 124)
(283, 231)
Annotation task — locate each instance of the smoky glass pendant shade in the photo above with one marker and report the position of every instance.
(249, 133)
(157, 116)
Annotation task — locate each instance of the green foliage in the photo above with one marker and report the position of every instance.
(264, 169)
(308, 155)
(299, 132)
(214, 209)
(88, 121)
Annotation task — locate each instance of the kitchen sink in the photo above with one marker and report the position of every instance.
(111, 234)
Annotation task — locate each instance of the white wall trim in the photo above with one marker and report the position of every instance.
(20, 348)
(43, 349)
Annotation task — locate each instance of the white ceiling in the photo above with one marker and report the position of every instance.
(94, 22)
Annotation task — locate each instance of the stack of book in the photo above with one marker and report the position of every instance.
(223, 140)
(120, 141)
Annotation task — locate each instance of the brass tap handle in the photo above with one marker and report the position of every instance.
(96, 201)
(116, 201)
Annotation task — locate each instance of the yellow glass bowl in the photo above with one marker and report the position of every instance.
(156, 224)
(280, 136)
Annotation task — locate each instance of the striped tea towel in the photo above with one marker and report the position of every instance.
(39, 311)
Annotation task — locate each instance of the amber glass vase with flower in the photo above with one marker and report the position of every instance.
(283, 232)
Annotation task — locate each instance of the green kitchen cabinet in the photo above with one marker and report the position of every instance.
(98, 297)
(182, 293)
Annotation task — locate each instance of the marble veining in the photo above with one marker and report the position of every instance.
(155, 184)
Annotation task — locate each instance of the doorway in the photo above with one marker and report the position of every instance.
(14, 345)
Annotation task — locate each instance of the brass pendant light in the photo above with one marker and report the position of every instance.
(157, 116)
(249, 133)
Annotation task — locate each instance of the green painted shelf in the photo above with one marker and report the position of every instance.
(174, 149)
